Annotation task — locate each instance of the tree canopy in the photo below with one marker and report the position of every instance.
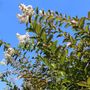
(54, 54)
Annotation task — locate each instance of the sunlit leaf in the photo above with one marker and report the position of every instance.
(89, 15)
(81, 22)
(88, 81)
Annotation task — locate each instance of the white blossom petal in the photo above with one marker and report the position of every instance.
(27, 11)
(3, 62)
(74, 21)
(68, 44)
(23, 38)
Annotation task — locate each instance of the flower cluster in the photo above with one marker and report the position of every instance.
(8, 53)
(27, 11)
(23, 39)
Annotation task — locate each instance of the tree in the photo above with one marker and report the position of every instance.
(61, 58)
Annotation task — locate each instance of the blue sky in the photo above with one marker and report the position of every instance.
(9, 24)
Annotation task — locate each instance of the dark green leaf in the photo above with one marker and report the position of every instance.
(89, 15)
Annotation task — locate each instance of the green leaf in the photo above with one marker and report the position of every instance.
(37, 10)
(69, 18)
(63, 58)
(66, 40)
(57, 49)
(43, 34)
(50, 38)
(65, 81)
(30, 19)
(79, 54)
(67, 25)
(87, 28)
(60, 35)
(54, 65)
(50, 18)
(59, 19)
(53, 46)
(55, 42)
(83, 84)
(41, 19)
(56, 13)
(36, 27)
(81, 22)
(46, 61)
(1, 42)
(89, 15)
(88, 81)
(36, 18)
(30, 29)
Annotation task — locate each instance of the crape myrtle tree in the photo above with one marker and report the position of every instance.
(54, 54)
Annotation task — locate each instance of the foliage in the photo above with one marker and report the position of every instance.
(61, 60)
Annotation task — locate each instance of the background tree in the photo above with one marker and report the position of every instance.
(61, 58)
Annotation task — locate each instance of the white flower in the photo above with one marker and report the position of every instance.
(22, 7)
(23, 38)
(23, 18)
(41, 12)
(74, 21)
(11, 51)
(1, 75)
(8, 54)
(68, 44)
(27, 11)
(3, 62)
(30, 8)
